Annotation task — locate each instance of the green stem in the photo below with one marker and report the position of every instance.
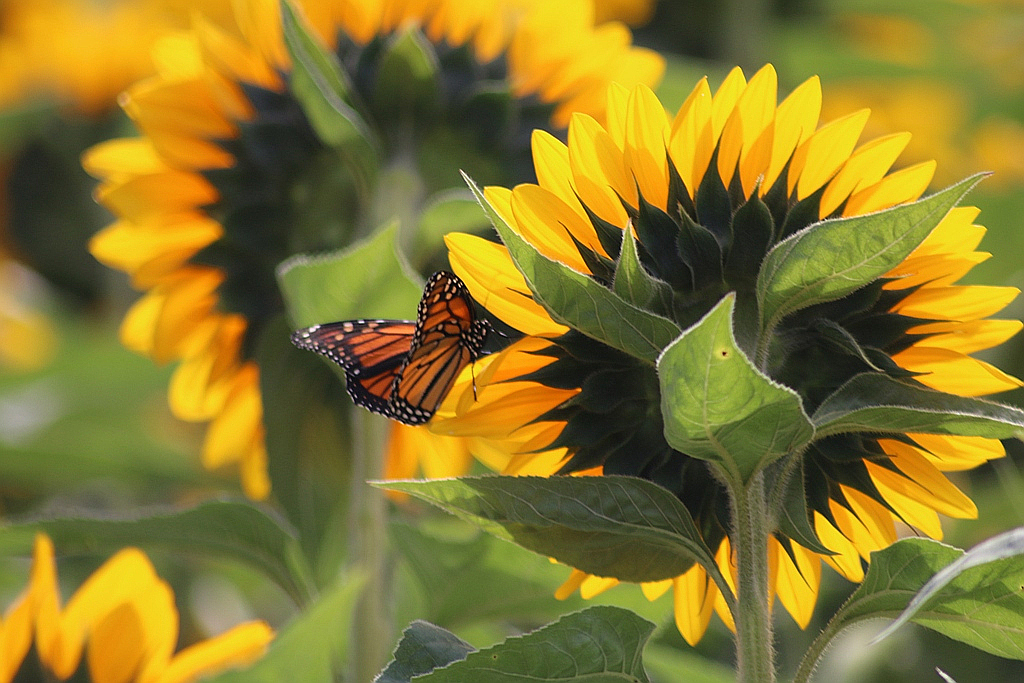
(754, 647)
(373, 631)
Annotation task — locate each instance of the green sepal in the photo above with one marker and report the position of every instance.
(231, 530)
(366, 280)
(407, 78)
(632, 282)
(789, 498)
(871, 402)
(614, 526)
(718, 407)
(581, 302)
(324, 93)
(601, 644)
(832, 258)
(315, 642)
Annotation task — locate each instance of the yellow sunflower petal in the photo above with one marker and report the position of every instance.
(954, 453)
(240, 646)
(571, 584)
(653, 590)
(644, 153)
(922, 481)
(117, 647)
(795, 120)
(725, 99)
(230, 434)
(902, 186)
(693, 599)
(866, 166)
(691, 139)
(970, 336)
(954, 372)
(968, 302)
(597, 169)
(546, 222)
(745, 127)
(823, 153)
(846, 559)
(797, 583)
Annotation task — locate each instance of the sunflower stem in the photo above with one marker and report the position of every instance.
(372, 632)
(754, 647)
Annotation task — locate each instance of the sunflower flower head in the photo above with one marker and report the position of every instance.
(120, 625)
(735, 294)
(306, 133)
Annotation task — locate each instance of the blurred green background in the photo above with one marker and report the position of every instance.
(84, 424)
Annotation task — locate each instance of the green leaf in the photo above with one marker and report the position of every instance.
(597, 645)
(581, 302)
(833, 258)
(423, 648)
(367, 280)
(623, 527)
(876, 403)
(238, 531)
(1009, 545)
(976, 600)
(322, 89)
(718, 407)
(314, 643)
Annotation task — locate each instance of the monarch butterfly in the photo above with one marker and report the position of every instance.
(399, 368)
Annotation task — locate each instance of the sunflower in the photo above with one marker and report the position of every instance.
(122, 619)
(219, 190)
(707, 193)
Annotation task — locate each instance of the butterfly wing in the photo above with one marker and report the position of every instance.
(371, 351)
(448, 337)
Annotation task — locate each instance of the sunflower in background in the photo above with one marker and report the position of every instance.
(62, 65)
(706, 193)
(230, 179)
(121, 624)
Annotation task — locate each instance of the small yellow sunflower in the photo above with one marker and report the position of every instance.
(120, 625)
(707, 193)
(212, 198)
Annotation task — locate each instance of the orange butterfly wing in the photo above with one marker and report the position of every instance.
(371, 351)
(398, 368)
(448, 337)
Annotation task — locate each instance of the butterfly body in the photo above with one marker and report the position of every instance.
(399, 368)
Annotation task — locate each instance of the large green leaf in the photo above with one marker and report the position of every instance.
(366, 280)
(872, 402)
(581, 302)
(615, 526)
(597, 645)
(312, 647)
(833, 258)
(973, 598)
(717, 406)
(322, 89)
(238, 531)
